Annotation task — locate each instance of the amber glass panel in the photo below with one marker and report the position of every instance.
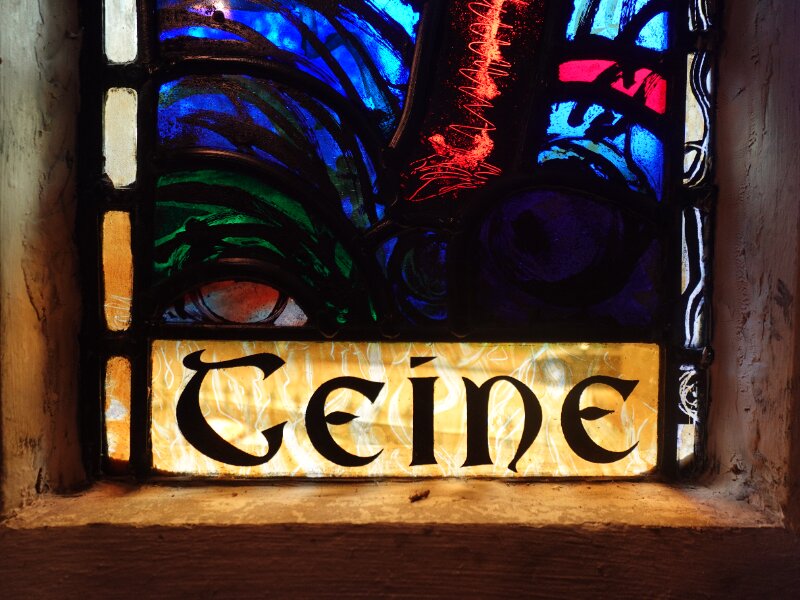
(239, 402)
(120, 30)
(117, 410)
(119, 135)
(117, 269)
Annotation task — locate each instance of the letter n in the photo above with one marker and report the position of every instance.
(478, 421)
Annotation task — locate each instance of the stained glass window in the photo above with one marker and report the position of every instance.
(399, 238)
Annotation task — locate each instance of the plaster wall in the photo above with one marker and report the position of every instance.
(39, 295)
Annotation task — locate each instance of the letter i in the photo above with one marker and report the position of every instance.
(422, 402)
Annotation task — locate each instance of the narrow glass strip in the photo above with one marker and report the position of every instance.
(694, 278)
(117, 410)
(120, 30)
(119, 139)
(117, 270)
(697, 154)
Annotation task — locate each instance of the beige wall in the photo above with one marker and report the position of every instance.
(39, 304)
(584, 539)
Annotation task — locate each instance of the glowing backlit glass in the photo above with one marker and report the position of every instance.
(399, 238)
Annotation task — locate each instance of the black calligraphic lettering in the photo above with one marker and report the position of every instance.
(422, 389)
(317, 421)
(478, 421)
(572, 415)
(199, 433)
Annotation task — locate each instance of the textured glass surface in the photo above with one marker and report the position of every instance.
(614, 19)
(239, 401)
(689, 403)
(286, 129)
(697, 157)
(236, 302)
(119, 136)
(209, 217)
(550, 256)
(644, 85)
(117, 409)
(700, 12)
(613, 146)
(612, 136)
(117, 270)
(686, 443)
(360, 50)
(469, 120)
(694, 278)
(120, 30)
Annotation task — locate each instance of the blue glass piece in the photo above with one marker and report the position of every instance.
(609, 146)
(373, 175)
(608, 18)
(654, 34)
(400, 12)
(550, 255)
(423, 273)
(648, 153)
(279, 125)
(199, 32)
(388, 60)
(385, 253)
(338, 45)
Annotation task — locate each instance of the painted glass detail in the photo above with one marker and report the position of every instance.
(697, 157)
(361, 50)
(644, 22)
(416, 194)
(610, 136)
(294, 134)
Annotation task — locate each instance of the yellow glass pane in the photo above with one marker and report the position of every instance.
(117, 409)
(119, 135)
(273, 383)
(117, 270)
(120, 30)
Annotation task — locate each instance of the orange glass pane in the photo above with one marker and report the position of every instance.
(240, 401)
(117, 270)
(117, 409)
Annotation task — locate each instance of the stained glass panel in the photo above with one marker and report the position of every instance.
(120, 30)
(337, 192)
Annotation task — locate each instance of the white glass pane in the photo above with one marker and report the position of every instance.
(119, 139)
(120, 30)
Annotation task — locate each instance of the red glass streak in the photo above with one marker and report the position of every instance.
(651, 85)
(460, 154)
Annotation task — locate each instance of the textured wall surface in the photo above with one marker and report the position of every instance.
(755, 376)
(39, 302)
